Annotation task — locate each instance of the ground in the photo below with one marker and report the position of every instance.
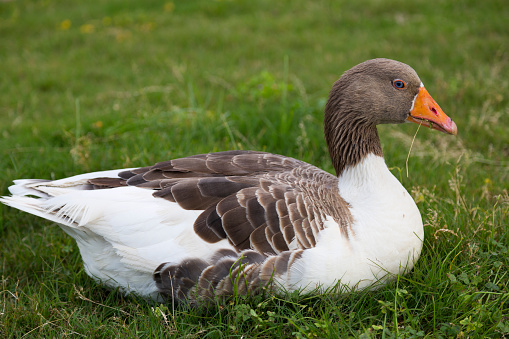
(90, 86)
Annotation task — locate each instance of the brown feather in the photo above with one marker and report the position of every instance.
(221, 186)
(259, 241)
(227, 204)
(255, 212)
(279, 242)
(237, 227)
(268, 203)
(210, 232)
(107, 182)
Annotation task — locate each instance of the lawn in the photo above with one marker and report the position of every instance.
(87, 86)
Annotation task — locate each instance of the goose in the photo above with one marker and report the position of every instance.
(215, 224)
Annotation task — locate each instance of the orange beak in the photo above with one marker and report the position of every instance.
(426, 112)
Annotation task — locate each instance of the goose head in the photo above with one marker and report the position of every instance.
(378, 91)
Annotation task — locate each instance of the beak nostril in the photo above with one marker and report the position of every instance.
(434, 110)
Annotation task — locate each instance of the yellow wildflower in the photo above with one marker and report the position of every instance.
(65, 25)
(87, 28)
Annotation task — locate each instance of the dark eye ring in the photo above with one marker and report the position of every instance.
(398, 84)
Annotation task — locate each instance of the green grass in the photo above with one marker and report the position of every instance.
(91, 86)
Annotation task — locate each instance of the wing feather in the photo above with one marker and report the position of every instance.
(266, 202)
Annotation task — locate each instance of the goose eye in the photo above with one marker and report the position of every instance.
(398, 84)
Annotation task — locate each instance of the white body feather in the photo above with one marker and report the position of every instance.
(386, 237)
(123, 233)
